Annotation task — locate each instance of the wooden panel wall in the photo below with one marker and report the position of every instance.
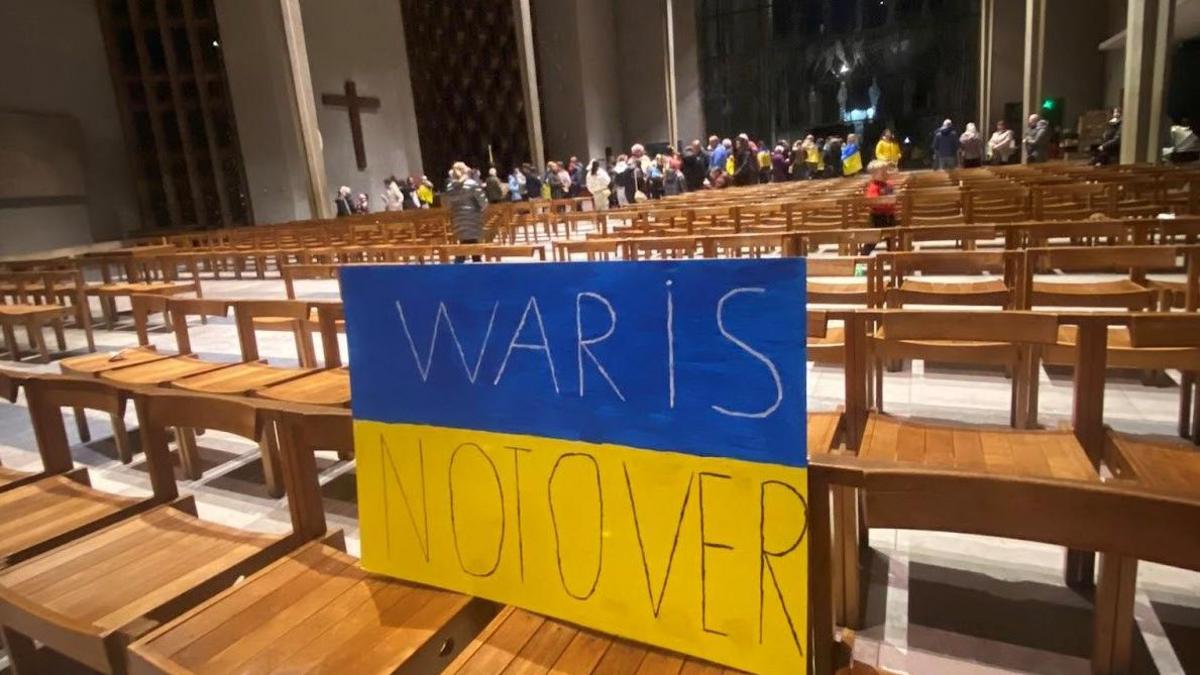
(466, 84)
(169, 76)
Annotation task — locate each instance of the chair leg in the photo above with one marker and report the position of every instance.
(121, 439)
(268, 445)
(10, 342)
(305, 349)
(189, 456)
(22, 654)
(1186, 384)
(1112, 624)
(39, 340)
(60, 335)
(81, 424)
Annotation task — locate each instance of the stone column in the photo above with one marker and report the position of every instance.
(669, 71)
(987, 16)
(319, 199)
(523, 18)
(1035, 49)
(1148, 33)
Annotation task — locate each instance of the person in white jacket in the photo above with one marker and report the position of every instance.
(598, 184)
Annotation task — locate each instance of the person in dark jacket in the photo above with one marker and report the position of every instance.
(745, 162)
(533, 182)
(466, 201)
(493, 188)
(1037, 140)
(1109, 149)
(945, 147)
(833, 157)
(344, 202)
(694, 165)
(779, 164)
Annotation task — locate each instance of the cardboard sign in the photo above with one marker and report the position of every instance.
(619, 445)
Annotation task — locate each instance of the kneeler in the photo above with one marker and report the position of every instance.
(89, 598)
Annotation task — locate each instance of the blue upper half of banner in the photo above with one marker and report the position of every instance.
(702, 357)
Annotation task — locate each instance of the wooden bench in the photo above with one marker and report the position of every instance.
(36, 306)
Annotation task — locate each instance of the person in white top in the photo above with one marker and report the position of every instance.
(598, 184)
(1001, 145)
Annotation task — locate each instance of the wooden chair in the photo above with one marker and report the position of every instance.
(60, 506)
(52, 462)
(1005, 337)
(276, 619)
(329, 386)
(37, 305)
(1110, 519)
(92, 365)
(89, 598)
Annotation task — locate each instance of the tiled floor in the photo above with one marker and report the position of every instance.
(937, 602)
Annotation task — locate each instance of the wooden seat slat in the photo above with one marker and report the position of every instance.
(1166, 465)
(162, 371)
(326, 387)
(8, 476)
(51, 507)
(91, 364)
(241, 378)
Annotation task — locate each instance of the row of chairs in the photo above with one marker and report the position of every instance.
(122, 583)
(1033, 484)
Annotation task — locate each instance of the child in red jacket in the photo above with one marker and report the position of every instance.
(882, 199)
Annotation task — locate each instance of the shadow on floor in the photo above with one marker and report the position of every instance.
(1029, 614)
(1182, 626)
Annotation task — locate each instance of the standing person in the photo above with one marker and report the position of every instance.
(393, 198)
(851, 157)
(745, 164)
(492, 187)
(673, 182)
(812, 157)
(516, 185)
(533, 184)
(362, 204)
(1109, 149)
(466, 201)
(1037, 140)
(945, 147)
(833, 157)
(564, 180)
(882, 199)
(655, 176)
(970, 144)
(598, 184)
(694, 166)
(763, 154)
(1002, 145)
(620, 179)
(717, 153)
(578, 176)
(344, 202)
(798, 169)
(779, 164)
(887, 149)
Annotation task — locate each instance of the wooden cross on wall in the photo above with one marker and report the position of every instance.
(354, 104)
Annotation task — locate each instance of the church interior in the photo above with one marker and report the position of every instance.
(990, 209)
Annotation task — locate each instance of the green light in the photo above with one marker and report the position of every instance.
(1048, 104)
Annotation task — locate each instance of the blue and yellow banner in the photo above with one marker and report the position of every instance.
(619, 445)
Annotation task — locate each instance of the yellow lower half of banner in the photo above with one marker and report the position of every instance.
(704, 556)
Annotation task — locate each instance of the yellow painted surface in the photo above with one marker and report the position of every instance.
(705, 556)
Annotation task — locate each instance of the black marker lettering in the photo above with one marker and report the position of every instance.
(599, 526)
(705, 544)
(765, 563)
(453, 517)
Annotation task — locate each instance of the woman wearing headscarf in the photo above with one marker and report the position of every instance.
(970, 145)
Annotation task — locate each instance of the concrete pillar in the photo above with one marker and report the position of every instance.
(1148, 32)
(669, 58)
(533, 108)
(987, 17)
(319, 199)
(1035, 49)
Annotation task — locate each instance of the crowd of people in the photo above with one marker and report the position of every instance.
(637, 176)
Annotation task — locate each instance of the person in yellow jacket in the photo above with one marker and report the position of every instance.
(813, 162)
(887, 149)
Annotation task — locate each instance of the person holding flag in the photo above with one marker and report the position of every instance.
(851, 157)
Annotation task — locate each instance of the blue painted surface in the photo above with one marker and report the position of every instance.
(738, 394)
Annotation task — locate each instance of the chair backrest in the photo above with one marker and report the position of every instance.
(329, 316)
(182, 308)
(293, 273)
(1165, 330)
(246, 311)
(160, 410)
(302, 431)
(46, 395)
